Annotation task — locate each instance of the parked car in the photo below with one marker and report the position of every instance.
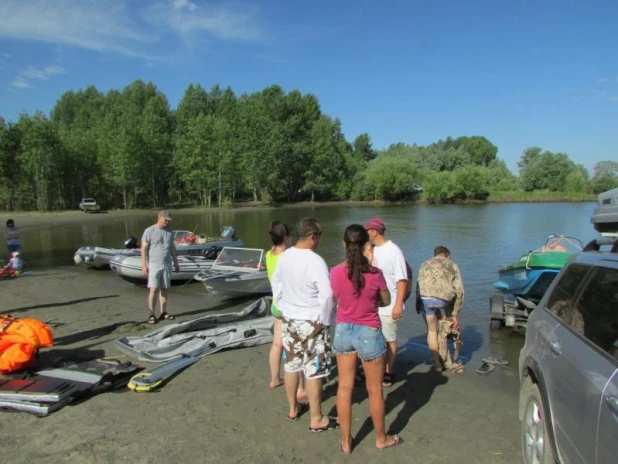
(568, 366)
(88, 205)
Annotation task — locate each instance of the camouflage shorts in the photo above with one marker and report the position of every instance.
(307, 348)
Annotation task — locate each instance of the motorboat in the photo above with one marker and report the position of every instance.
(531, 275)
(129, 268)
(523, 283)
(236, 273)
(187, 244)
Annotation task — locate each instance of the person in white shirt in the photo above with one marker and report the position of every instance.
(389, 258)
(301, 288)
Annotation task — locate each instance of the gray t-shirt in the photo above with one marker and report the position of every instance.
(159, 244)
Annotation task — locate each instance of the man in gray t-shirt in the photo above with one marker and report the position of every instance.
(158, 253)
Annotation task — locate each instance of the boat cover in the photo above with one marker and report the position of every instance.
(204, 335)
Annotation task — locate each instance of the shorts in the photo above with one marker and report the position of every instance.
(12, 248)
(367, 342)
(389, 328)
(432, 305)
(307, 348)
(159, 275)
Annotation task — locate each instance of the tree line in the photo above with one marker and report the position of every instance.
(130, 149)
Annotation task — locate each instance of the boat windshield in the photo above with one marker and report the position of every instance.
(240, 259)
(562, 243)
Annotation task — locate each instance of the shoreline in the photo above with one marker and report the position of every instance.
(28, 218)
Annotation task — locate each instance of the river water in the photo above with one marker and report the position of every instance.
(481, 239)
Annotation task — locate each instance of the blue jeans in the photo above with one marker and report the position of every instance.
(12, 248)
(367, 342)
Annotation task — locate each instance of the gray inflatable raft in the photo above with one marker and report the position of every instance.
(202, 336)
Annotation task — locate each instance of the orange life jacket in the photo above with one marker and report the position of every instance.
(19, 341)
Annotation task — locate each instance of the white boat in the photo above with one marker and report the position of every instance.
(186, 242)
(129, 268)
(236, 273)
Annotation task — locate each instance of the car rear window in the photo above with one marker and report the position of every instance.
(561, 300)
(596, 314)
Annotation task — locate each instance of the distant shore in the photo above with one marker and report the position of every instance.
(27, 218)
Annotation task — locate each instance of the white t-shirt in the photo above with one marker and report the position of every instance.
(301, 286)
(390, 260)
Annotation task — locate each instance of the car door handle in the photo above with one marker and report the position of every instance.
(555, 348)
(612, 403)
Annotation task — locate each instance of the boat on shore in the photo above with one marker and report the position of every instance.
(605, 216)
(129, 268)
(236, 273)
(187, 244)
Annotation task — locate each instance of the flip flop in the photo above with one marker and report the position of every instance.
(166, 316)
(389, 380)
(485, 368)
(332, 425)
(398, 441)
(152, 320)
(302, 409)
(494, 360)
(278, 384)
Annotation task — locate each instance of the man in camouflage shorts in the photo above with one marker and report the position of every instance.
(301, 288)
(440, 299)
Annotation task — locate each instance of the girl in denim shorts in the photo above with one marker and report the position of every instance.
(359, 289)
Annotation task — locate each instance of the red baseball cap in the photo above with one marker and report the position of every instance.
(375, 224)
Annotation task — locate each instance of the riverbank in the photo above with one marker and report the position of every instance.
(28, 218)
(221, 409)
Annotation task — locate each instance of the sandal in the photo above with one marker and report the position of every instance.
(332, 425)
(389, 380)
(165, 316)
(485, 368)
(302, 409)
(152, 320)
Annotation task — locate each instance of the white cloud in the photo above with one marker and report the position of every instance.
(21, 83)
(123, 26)
(614, 98)
(184, 17)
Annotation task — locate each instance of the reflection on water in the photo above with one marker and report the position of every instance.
(481, 238)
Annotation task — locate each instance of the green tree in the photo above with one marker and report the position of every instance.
(363, 147)
(605, 176)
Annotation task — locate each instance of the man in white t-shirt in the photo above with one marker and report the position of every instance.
(301, 288)
(389, 258)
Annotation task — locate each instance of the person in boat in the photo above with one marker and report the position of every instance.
(281, 237)
(389, 258)
(301, 288)
(554, 244)
(440, 299)
(11, 235)
(158, 254)
(359, 289)
(14, 267)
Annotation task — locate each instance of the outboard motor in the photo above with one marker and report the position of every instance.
(212, 252)
(131, 243)
(228, 232)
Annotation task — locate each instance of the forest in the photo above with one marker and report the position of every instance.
(129, 149)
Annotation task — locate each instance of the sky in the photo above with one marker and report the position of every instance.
(520, 72)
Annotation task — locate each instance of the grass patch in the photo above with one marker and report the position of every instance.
(539, 196)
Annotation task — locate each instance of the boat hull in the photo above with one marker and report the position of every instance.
(99, 257)
(532, 274)
(238, 285)
(129, 268)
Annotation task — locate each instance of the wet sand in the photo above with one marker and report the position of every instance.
(221, 409)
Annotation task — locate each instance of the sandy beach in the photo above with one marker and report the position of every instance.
(221, 409)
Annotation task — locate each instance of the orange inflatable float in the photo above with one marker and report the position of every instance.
(20, 338)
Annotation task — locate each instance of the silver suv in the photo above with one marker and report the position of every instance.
(568, 366)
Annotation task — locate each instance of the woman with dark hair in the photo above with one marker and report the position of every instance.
(281, 237)
(360, 289)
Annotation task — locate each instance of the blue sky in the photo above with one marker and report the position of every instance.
(519, 72)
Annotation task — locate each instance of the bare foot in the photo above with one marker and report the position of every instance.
(275, 384)
(391, 440)
(301, 396)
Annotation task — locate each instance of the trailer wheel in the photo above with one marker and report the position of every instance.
(496, 311)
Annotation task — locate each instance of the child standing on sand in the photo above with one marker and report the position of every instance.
(11, 234)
